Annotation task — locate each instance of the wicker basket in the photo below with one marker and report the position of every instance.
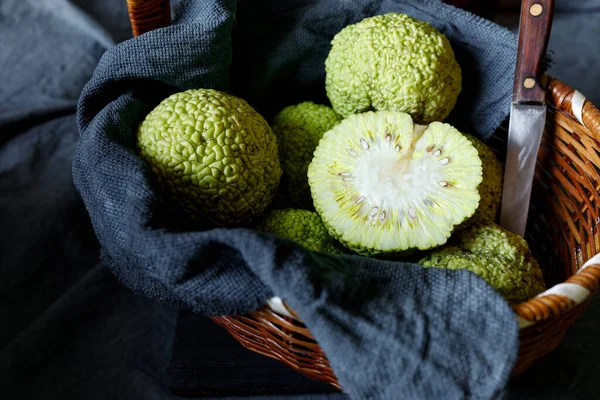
(562, 232)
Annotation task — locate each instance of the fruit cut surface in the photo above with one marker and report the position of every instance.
(383, 184)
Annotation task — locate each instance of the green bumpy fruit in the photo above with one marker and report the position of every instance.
(302, 226)
(490, 189)
(393, 62)
(213, 154)
(298, 129)
(500, 257)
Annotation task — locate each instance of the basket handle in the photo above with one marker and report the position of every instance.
(147, 15)
(574, 103)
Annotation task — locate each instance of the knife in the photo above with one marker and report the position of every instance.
(527, 114)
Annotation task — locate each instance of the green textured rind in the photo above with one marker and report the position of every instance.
(298, 129)
(213, 154)
(302, 226)
(490, 189)
(393, 62)
(393, 233)
(500, 257)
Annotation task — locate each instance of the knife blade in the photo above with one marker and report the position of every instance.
(527, 114)
(525, 129)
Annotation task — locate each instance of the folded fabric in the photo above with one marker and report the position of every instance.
(390, 330)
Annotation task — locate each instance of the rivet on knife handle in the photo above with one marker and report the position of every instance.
(534, 31)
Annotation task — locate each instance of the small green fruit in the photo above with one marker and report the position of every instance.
(490, 189)
(393, 62)
(213, 154)
(298, 129)
(500, 257)
(302, 226)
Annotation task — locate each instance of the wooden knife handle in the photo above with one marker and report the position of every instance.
(534, 32)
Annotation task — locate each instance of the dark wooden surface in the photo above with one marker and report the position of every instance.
(534, 32)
